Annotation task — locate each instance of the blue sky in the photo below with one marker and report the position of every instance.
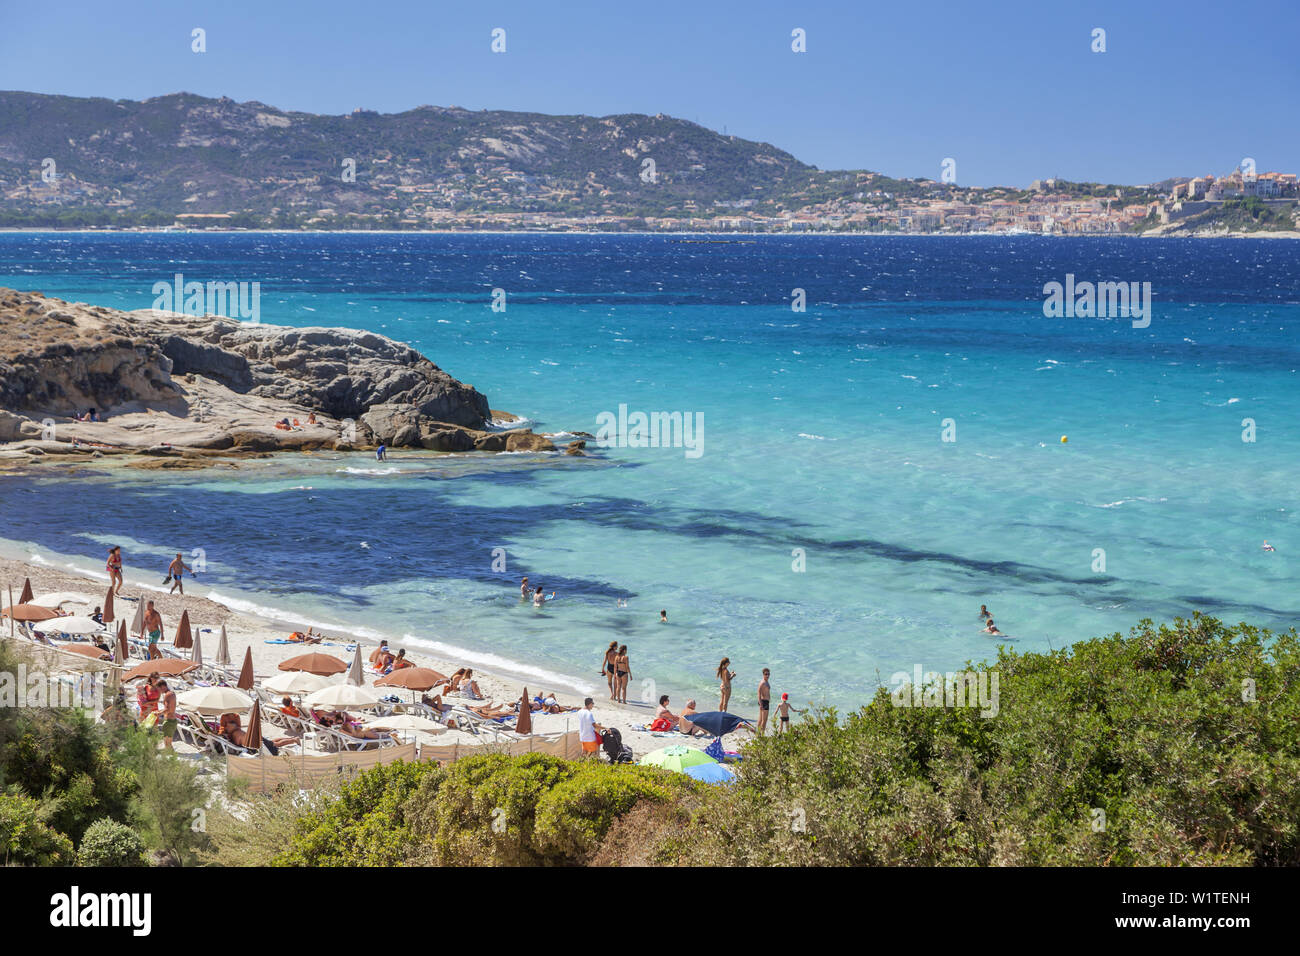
(1011, 90)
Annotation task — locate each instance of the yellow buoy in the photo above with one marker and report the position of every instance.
(1064, 439)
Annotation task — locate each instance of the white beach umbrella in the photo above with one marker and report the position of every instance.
(407, 722)
(338, 696)
(137, 622)
(57, 598)
(356, 673)
(196, 652)
(70, 625)
(295, 682)
(215, 700)
(223, 649)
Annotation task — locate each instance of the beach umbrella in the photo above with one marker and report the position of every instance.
(196, 655)
(28, 612)
(184, 637)
(137, 622)
(711, 773)
(85, 650)
(71, 625)
(342, 696)
(26, 596)
(322, 664)
(716, 722)
(223, 649)
(55, 598)
(675, 757)
(295, 682)
(166, 667)
(412, 678)
(215, 700)
(524, 725)
(245, 681)
(356, 675)
(407, 722)
(122, 651)
(107, 613)
(253, 732)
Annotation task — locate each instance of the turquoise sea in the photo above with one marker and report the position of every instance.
(822, 439)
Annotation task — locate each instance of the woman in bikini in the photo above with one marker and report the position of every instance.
(622, 672)
(607, 668)
(724, 681)
(115, 568)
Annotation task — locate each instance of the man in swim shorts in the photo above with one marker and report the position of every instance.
(153, 626)
(764, 699)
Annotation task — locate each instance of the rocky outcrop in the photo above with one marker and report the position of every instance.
(171, 381)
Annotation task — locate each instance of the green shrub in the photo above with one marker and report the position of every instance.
(109, 843)
(26, 838)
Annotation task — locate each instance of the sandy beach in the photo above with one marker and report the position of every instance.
(245, 631)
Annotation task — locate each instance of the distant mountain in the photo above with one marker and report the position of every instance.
(188, 154)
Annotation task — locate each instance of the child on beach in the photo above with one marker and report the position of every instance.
(783, 711)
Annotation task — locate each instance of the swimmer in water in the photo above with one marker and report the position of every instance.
(1268, 547)
(663, 617)
(524, 590)
(984, 612)
(539, 598)
(991, 628)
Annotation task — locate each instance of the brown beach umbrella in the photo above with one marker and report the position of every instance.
(27, 594)
(122, 652)
(86, 650)
(223, 649)
(412, 678)
(524, 725)
(322, 665)
(108, 605)
(253, 732)
(245, 681)
(137, 622)
(28, 612)
(167, 667)
(184, 637)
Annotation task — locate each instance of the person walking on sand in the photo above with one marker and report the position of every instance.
(607, 666)
(153, 627)
(764, 699)
(622, 673)
(588, 729)
(168, 713)
(175, 572)
(783, 711)
(725, 676)
(115, 568)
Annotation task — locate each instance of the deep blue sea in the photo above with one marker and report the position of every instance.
(822, 432)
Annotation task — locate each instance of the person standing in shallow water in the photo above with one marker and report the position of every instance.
(115, 568)
(622, 673)
(663, 617)
(725, 676)
(764, 699)
(607, 667)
